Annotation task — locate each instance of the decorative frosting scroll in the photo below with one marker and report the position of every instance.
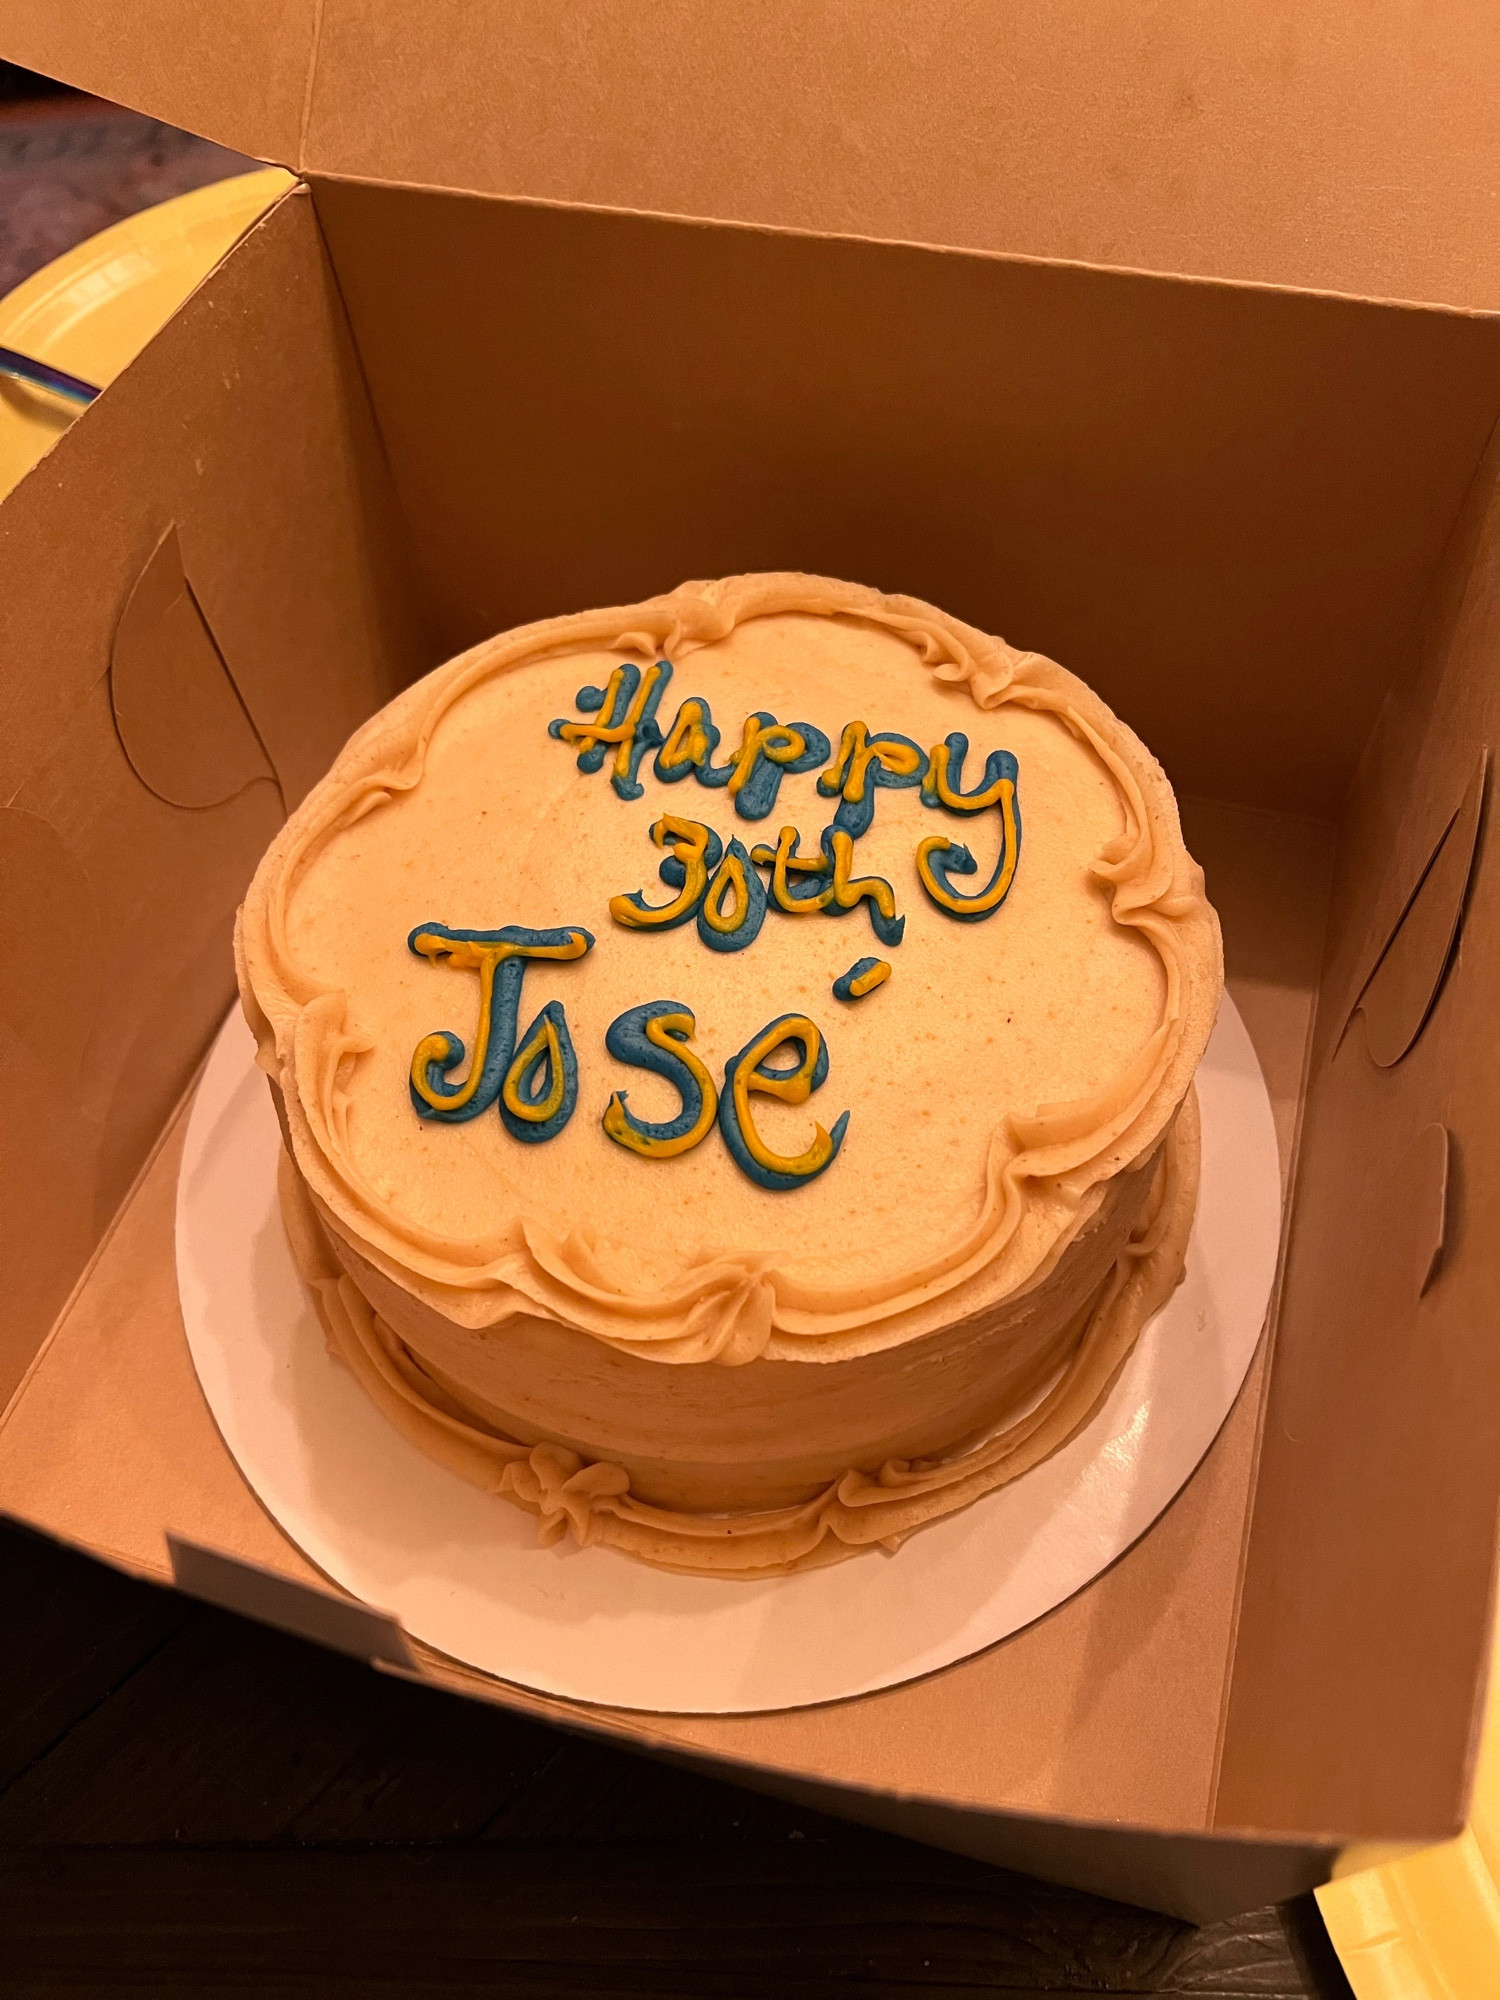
(1046, 1166)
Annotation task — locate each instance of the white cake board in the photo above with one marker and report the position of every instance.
(462, 1571)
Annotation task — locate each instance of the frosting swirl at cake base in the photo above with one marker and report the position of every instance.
(882, 1499)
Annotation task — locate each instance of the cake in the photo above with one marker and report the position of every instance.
(735, 1057)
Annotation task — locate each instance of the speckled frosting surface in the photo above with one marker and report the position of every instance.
(733, 1053)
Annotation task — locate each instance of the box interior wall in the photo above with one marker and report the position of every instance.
(1249, 143)
(379, 439)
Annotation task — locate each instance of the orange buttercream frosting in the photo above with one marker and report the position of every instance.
(786, 1332)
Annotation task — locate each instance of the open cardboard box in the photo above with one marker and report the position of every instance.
(452, 382)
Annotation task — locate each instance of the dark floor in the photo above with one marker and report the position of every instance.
(192, 1805)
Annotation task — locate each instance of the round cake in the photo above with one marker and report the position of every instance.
(735, 1057)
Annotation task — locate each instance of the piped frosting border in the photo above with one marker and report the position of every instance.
(1050, 1163)
(591, 1501)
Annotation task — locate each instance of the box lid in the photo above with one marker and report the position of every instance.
(1340, 145)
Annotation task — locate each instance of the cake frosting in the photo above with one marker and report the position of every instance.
(555, 974)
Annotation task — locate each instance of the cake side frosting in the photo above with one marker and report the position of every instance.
(590, 1498)
(785, 1275)
(709, 1439)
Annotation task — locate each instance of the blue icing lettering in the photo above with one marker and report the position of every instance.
(628, 724)
(830, 886)
(536, 1088)
(938, 859)
(540, 1091)
(734, 903)
(863, 763)
(788, 865)
(847, 890)
(770, 751)
(943, 784)
(656, 1037)
(861, 978)
(689, 747)
(751, 1073)
(693, 854)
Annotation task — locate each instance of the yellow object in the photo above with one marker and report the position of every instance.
(94, 309)
(1426, 1924)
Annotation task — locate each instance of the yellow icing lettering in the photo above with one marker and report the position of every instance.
(937, 789)
(499, 958)
(727, 902)
(463, 957)
(934, 872)
(542, 1046)
(627, 707)
(657, 1037)
(849, 772)
(848, 892)
(863, 762)
(695, 848)
(781, 743)
(784, 861)
(752, 1073)
(691, 741)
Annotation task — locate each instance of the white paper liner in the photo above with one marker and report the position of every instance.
(462, 1570)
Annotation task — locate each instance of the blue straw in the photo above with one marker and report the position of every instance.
(42, 375)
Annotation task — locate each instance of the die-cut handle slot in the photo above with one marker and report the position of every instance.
(1398, 993)
(181, 720)
(1427, 1174)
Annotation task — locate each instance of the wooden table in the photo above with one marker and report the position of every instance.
(193, 1804)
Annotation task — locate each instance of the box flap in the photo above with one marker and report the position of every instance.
(1160, 483)
(45, 894)
(1342, 145)
(1371, 1556)
(255, 1591)
(166, 682)
(181, 720)
(236, 72)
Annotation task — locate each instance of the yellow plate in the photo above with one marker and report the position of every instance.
(1425, 1925)
(94, 309)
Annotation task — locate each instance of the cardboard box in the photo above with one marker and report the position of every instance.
(456, 380)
